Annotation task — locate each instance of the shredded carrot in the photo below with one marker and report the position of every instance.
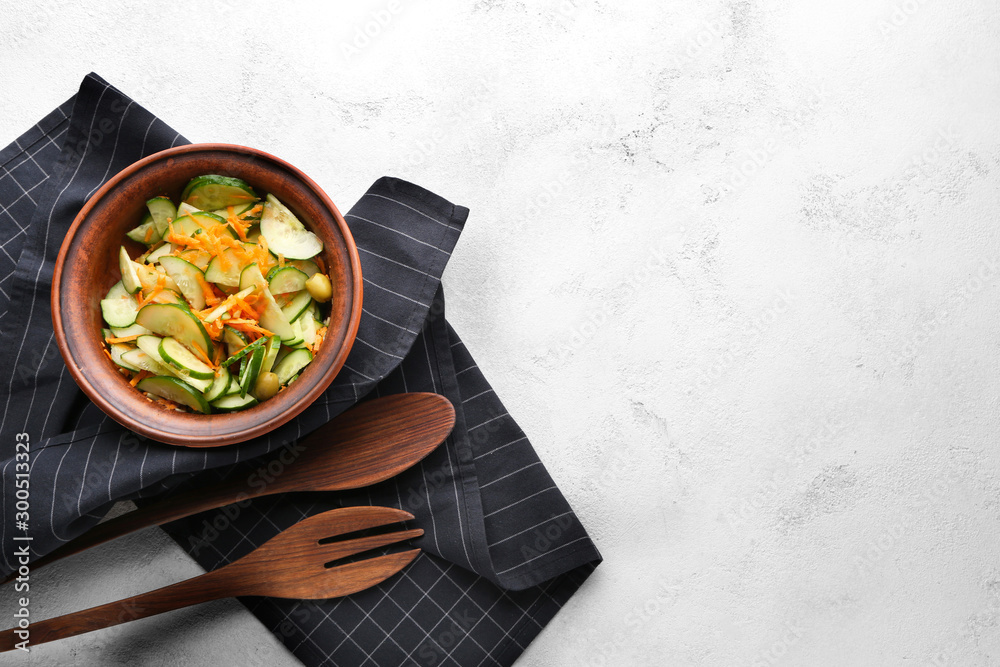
(207, 291)
(123, 339)
(149, 234)
(166, 403)
(218, 355)
(201, 355)
(108, 352)
(139, 377)
(249, 326)
(281, 260)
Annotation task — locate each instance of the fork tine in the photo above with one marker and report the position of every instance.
(353, 577)
(338, 550)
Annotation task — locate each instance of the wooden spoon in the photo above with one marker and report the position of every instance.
(293, 564)
(367, 444)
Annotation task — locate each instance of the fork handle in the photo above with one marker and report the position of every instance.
(203, 588)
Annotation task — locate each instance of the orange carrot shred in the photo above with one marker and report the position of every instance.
(123, 339)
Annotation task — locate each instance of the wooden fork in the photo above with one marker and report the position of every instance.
(293, 564)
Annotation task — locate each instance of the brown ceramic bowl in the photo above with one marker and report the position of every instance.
(87, 267)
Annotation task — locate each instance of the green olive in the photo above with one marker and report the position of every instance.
(267, 386)
(319, 287)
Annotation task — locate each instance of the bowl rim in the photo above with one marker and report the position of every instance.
(253, 430)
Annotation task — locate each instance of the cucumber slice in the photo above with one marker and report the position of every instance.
(149, 276)
(229, 277)
(292, 364)
(253, 234)
(220, 385)
(168, 319)
(213, 192)
(248, 376)
(271, 349)
(187, 276)
(144, 362)
(241, 211)
(308, 327)
(162, 251)
(297, 306)
(223, 309)
(235, 340)
(284, 279)
(119, 312)
(151, 346)
(142, 233)
(163, 211)
(199, 258)
(244, 351)
(130, 277)
(119, 349)
(306, 266)
(185, 208)
(200, 221)
(134, 330)
(285, 234)
(234, 402)
(177, 391)
(170, 296)
(184, 359)
(273, 319)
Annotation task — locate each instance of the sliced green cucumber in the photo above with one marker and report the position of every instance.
(291, 364)
(234, 339)
(253, 234)
(250, 371)
(151, 346)
(229, 277)
(220, 385)
(184, 359)
(168, 319)
(212, 191)
(187, 276)
(272, 319)
(125, 332)
(285, 279)
(244, 351)
(271, 349)
(234, 402)
(223, 308)
(200, 222)
(285, 234)
(144, 362)
(119, 312)
(130, 277)
(163, 212)
(307, 325)
(142, 233)
(298, 305)
(199, 258)
(306, 266)
(162, 251)
(185, 208)
(242, 212)
(119, 349)
(177, 391)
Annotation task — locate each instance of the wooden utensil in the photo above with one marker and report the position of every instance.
(367, 444)
(292, 564)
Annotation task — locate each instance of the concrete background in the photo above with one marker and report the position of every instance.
(733, 266)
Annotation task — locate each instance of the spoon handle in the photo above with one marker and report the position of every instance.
(209, 586)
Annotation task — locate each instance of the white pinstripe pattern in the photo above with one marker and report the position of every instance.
(398, 228)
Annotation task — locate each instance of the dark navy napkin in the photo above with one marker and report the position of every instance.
(502, 551)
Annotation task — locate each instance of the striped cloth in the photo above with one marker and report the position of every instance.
(502, 549)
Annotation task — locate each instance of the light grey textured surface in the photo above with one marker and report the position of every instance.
(732, 265)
